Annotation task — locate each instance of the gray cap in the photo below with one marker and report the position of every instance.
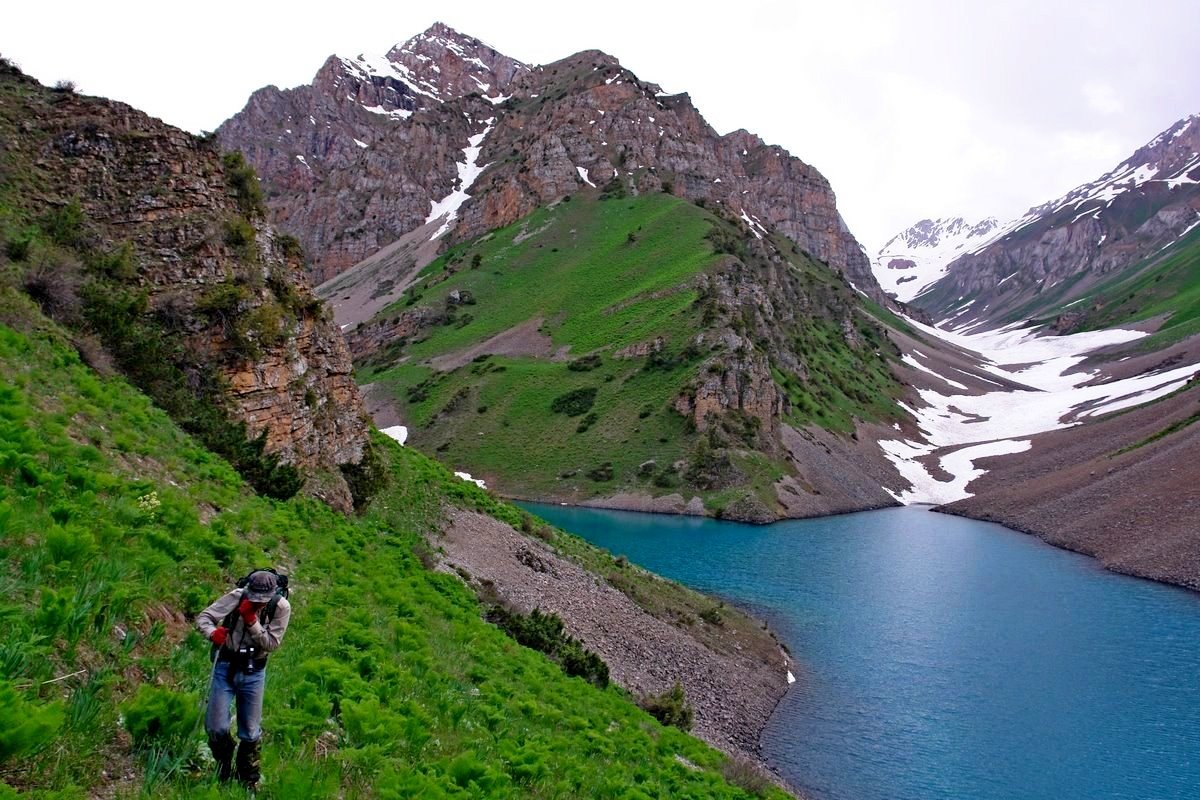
(261, 587)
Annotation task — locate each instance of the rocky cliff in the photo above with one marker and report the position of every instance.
(375, 147)
(187, 230)
(1060, 251)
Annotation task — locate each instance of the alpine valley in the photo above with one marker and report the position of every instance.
(346, 330)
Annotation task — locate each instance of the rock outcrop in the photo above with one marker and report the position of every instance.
(373, 148)
(212, 271)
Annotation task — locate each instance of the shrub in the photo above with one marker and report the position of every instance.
(585, 364)
(574, 402)
(544, 633)
(366, 478)
(158, 716)
(604, 472)
(65, 86)
(64, 225)
(712, 615)
(244, 182)
(669, 708)
(239, 235)
(52, 281)
(586, 422)
(289, 245)
(748, 776)
(25, 727)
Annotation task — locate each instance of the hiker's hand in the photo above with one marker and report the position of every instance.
(249, 612)
(218, 636)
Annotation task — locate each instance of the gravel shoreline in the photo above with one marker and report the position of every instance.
(733, 687)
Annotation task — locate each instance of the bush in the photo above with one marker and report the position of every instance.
(748, 776)
(585, 364)
(366, 478)
(240, 235)
(604, 472)
(65, 86)
(25, 727)
(290, 246)
(244, 182)
(544, 633)
(669, 708)
(586, 422)
(574, 402)
(160, 717)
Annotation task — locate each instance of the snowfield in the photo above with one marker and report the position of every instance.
(1000, 422)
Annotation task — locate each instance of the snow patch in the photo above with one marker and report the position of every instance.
(466, 476)
(447, 208)
(583, 175)
(999, 422)
(397, 432)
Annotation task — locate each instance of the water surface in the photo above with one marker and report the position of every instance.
(939, 657)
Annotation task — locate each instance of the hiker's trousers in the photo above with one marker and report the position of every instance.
(246, 691)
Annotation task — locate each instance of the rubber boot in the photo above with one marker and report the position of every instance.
(222, 751)
(247, 764)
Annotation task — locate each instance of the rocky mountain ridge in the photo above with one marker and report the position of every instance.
(1060, 250)
(188, 240)
(377, 147)
(919, 255)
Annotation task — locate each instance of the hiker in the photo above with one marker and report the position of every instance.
(245, 626)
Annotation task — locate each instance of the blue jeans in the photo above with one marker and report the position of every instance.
(247, 691)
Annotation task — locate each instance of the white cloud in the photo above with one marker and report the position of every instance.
(1102, 97)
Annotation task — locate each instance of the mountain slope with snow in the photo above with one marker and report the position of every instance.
(376, 145)
(918, 256)
(1060, 251)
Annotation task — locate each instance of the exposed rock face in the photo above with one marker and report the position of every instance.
(362, 155)
(169, 196)
(1059, 251)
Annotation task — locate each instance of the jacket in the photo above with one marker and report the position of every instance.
(265, 637)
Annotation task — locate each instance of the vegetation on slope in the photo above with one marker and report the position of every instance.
(625, 301)
(116, 527)
(1165, 285)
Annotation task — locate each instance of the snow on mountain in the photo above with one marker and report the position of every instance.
(917, 256)
(439, 65)
(1160, 160)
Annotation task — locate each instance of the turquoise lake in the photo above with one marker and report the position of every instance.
(939, 657)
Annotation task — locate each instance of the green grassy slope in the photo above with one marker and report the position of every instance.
(595, 276)
(115, 527)
(1167, 284)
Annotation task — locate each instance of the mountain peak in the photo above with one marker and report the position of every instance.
(919, 255)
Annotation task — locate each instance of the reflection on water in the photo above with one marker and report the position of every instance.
(938, 657)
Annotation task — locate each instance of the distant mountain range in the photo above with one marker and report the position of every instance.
(918, 256)
(1061, 252)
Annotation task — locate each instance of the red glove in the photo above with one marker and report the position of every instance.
(218, 636)
(249, 612)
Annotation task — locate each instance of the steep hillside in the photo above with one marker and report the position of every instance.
(375, 148)
(1061, 251)
(640, 352)
(116, 528)
(153, 249)
(1162, 290)
(919, 255)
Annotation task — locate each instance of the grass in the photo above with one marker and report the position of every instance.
(1165, 284)
(596, 276)
(389, 684)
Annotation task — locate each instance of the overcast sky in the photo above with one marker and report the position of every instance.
(916, 109)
